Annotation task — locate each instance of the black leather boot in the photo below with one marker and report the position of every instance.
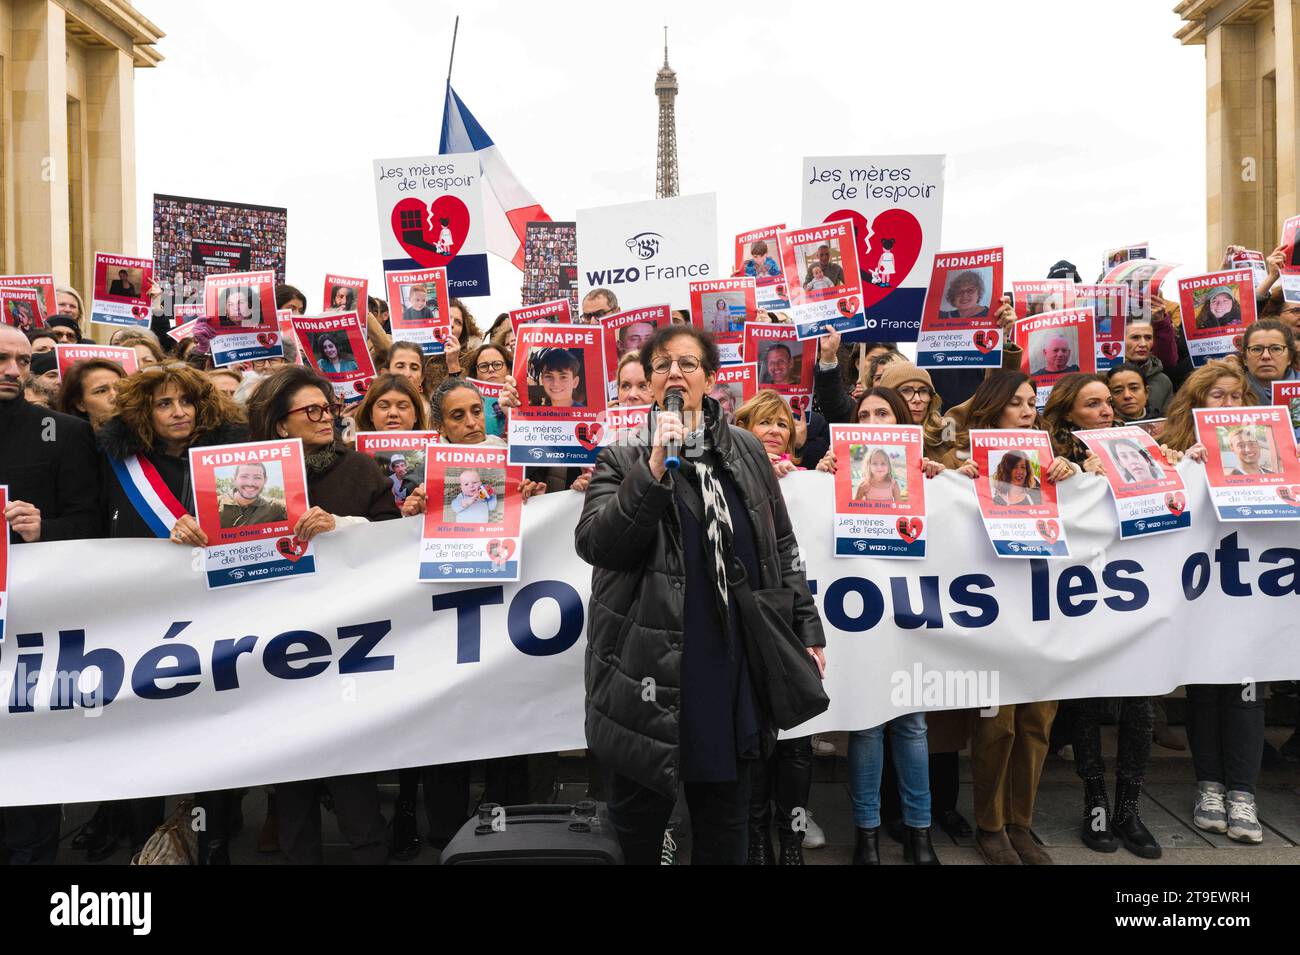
(760, 846)
(917, 848)
(791, 847)
(1096, 828)
(866, 846)
(405, 845)
(1136, 837)
(213, 851)
(117, 828)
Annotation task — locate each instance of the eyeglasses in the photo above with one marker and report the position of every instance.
(908, 394)
(314, 412)
(1274, 350)
(491, 366)
(599, 313)
(687, 364)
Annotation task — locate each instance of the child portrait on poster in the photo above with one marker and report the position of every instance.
(878, 481)
(555, 378)
(475, 497)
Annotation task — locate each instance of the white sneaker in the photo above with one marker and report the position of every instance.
(1209, 812)
(822, 747)
(813, 837)
(1243, 821)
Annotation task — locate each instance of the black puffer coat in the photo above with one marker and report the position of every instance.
(629, 532)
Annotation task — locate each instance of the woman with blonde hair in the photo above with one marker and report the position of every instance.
(1216, 384)
(769, 418)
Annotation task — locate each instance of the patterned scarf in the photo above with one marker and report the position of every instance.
(717, 523)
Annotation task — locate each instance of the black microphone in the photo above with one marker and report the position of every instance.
(673, 449)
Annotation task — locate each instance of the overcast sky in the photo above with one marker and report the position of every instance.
(1068, 128)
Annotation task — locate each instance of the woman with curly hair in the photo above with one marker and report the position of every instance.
(161, 412)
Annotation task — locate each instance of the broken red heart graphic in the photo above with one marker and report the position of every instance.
(909, 528)
(500, 551)
(361, 386)
(589, 435)
(1236, 342)
(1112, 349)
(1290, 494)
(897, 225)
(267, 339)
(140, 311)
(799, 403)
(291, 547)
(442, 333)
(1048, 530)
(431, 235)
(848, 307)
(985, 340)
(1176, 502)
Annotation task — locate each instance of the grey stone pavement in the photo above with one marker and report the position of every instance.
(1166, 809)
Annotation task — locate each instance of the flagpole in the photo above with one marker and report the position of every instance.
(454, 30)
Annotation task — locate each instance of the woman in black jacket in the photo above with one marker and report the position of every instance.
(344, 487)
(161, 413)
(669, 696)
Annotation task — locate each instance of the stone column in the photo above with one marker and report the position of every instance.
(40, 136)
(1286, 33)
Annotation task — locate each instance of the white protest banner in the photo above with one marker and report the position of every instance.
(431, 216)
(4, 560)
(648, 252)
(1149, 495)
(896, 206)
(254, 686)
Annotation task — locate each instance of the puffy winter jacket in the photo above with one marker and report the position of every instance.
(629, 532)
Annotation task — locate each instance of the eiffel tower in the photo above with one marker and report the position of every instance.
(666, 183)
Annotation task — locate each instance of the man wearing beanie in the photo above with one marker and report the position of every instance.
(65, 329)
(42, 385)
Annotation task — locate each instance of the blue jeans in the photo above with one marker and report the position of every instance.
(911, 760)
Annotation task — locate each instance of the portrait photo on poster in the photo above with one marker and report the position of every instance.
(474, 495)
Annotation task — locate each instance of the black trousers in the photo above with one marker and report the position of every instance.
(29, 835)
(1136, 722)
(446, 792)
(719, 819)
(1226, 735)
(356, 805)
(785, 778)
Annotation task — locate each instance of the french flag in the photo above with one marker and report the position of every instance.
(507, 205)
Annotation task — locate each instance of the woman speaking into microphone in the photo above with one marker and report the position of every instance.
(703, 639)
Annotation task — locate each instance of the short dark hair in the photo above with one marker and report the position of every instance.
(1125, 366)
(663, 335)
(271, 402)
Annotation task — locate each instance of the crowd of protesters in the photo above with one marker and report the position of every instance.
(665, 587)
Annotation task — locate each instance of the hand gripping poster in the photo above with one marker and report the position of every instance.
(400, 455)
(472, 514)
(896, 206)
(628, 331)
(431, 216)
(756, 258)
(721, 307)
(1216, 310)
(1054, 344)
(419, 308)
(560, 376)
(959, 326)
(1149, 494)
(1016, 501)
(240, 306)
(879, 491)
(1250, 462)
(335, 345)
(821, 272)
(122, 285)
(249, 498)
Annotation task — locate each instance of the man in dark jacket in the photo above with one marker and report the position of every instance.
(669, 697)
(48, 461)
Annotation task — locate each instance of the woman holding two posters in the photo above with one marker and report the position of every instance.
(344, 487)
(160, 414)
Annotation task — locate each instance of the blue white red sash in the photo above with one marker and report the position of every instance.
(148, 493)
